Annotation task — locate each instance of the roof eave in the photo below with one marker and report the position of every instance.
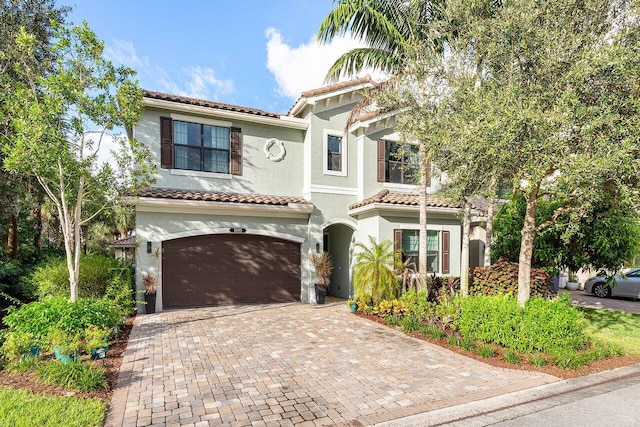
(281, 121)
(399, 208)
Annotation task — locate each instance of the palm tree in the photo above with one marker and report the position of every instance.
(374, 272)
(389, 28)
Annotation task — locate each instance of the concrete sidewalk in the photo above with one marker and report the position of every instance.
(607, 398)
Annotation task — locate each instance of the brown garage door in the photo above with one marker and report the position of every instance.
(229, 268)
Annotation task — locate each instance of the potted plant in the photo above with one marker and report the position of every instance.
(150, 287)
(322, 267)
(96, 342)
(65, 345)
(352, 305)
(572, 283)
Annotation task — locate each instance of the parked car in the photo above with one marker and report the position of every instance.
(626, 285)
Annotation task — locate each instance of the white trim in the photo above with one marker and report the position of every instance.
(211, 231)
(281, 121)
(292, 210)
(312, 100)
(201, 120)
(330, 189)
(326, 133)
(403, 187)
(347, 222)
(360, 170)
(406, 226)
(201, 174)
(375, 119)
(400, 208)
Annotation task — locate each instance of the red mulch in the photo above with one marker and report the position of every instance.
(112, 364)
(599, 366)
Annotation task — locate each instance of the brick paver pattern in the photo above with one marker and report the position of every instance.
(290, 364)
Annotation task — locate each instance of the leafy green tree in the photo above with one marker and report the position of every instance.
(19, 198)
(374, 272)
(61, 123)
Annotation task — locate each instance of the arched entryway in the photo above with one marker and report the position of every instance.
(338, 241)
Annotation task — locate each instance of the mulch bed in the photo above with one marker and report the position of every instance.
(112, 362)
(599, 366)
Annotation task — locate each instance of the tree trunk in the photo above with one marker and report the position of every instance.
(12, 237)
(37, 226)
(464, 257)
(526, 248)
(422, 237)
(489, 232)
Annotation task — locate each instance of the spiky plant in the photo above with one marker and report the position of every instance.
(374, 275)
(323, 266)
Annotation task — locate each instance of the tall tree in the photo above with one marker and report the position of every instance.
(558, 99)
(37, 17)
(389, 28)
(62, 122)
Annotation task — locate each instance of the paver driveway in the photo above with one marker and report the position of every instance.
(290, 364)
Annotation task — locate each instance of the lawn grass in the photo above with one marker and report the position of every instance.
(22, 408)
(615, 327)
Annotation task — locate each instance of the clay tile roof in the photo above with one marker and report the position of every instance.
(125, 242)
(208, 196)
(211, 104)
(338, 86)
(407, 199)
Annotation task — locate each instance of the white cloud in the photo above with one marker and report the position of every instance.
(301, 68)
(196, 81)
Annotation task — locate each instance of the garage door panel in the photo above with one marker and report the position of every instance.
(227, 269)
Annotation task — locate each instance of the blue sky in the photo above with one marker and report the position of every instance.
(255, 53)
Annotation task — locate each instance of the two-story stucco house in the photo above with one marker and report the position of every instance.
(243, 196)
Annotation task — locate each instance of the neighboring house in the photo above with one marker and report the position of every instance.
(243, 196)
(125, 248)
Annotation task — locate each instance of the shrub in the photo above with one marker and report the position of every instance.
(502, 278)
(392, 321)
(416, 304)
(23, 365)
(434, 332)
(437, 286)
(410, 324)
(17, 344)
(453, 340)
(537, 359)
(120, 290)
(73, 375)
(41, 318)
(51, 278)
(512, 357)
(468, 343)
(486, 351)
(543, 325)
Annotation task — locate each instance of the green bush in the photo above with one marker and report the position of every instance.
(543, 325)
(434, 332)
(468, 343)
(416, 304)
(486, 351)
(410, 323)
(41, 318)
(97, 272)
(73, 375)
(538, 359)
(512, 357)
(502, 278)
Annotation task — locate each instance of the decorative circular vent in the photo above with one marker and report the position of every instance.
(279, 147)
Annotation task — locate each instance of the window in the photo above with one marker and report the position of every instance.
(334, 153)
(200, 147)
(408, 241)
(401, 163)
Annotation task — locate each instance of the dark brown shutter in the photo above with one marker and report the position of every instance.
(236, 151)
(166, 143)
(445, 252)
(397, 241)
(381, 159)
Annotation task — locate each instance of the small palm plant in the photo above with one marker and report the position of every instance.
(323, 266)
(374, 275)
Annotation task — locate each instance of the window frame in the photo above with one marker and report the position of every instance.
(325, 152)
(415, 258)
(202, 148)
(403, 165)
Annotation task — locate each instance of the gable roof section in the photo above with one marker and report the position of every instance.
(307, 97)
(208, 196)
(209, 104)
(125, 242)
(404, 199)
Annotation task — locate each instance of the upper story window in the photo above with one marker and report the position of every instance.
(398, 163)
(335, 154)
(200, 147)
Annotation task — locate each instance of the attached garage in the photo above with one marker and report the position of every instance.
(228, 269)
